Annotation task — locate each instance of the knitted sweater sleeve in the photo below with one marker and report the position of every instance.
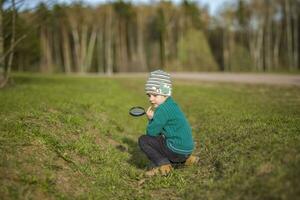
(157, 123)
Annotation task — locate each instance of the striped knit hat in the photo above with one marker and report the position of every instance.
(159, 82)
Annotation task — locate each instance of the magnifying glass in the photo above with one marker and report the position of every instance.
(137, 111)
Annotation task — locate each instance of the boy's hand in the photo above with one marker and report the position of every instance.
(150, 113)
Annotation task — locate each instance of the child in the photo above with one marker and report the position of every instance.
(168, 138)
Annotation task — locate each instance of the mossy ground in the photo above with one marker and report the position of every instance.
(70, 137)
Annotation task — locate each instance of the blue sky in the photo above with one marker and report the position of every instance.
(213, 5)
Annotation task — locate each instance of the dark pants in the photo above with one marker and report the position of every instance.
(157, 151)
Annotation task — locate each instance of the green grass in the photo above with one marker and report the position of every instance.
(66, 137)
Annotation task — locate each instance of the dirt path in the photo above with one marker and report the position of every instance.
(270, 79)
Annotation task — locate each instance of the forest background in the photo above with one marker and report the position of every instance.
(71, 137)
(122, 36)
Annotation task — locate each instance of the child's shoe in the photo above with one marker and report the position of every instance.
(162, 170)
(192, 160)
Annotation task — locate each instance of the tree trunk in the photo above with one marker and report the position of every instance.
(100, 51)
(83, 48)
(251, 42)
(108, 42)
(276, 46)
(225, 50)
(77, 59)
(12, 40)
(49, 54)
(90, 50)
(140, 41)
(259, 48)
(66, 51)
(132, 55)
(255, 43)
(46, 54)
(231, 48)
(122, 47)
(162, 50)
(289, 34)
(268, 37)
(2, 81)
(296, 34)
(57, 49)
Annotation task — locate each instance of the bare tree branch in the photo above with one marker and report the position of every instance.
(12, 47)
(12, 41)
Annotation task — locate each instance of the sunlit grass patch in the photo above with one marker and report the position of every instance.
(67, 137)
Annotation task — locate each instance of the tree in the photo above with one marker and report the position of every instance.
(46, 38)
(6, 67)
(195, 53)
(2, 78)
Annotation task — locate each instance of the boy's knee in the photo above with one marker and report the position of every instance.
(142, 140)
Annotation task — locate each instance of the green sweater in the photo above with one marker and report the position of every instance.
(170, 121)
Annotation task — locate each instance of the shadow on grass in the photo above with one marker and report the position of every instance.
(137, 158)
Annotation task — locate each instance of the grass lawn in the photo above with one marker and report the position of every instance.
(71, 137)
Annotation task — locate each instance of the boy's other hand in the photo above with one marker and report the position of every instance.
(150, 113)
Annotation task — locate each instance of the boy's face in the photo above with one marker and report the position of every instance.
(156, 99)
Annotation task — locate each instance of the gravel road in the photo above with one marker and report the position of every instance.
(273, 79)
(249, 78)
